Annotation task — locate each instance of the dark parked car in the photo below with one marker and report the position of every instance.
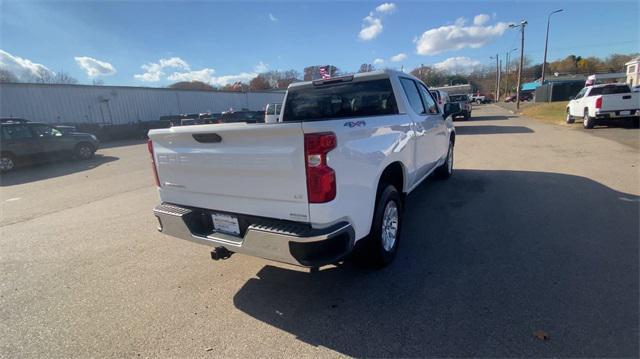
(24, 141)
(465, 106)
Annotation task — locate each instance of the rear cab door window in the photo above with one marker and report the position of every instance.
(428, 100)
(413, 96)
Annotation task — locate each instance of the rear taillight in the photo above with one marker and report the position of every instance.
(153, 162)
(599, 102)
(321, 179)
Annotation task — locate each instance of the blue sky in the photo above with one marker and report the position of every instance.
(221, 42)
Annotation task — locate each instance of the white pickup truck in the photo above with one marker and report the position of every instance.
(598, 103)
(329, 179)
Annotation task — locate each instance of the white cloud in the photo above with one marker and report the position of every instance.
(481, 19)
(378, 61)
(386, 8)
(229, 79)
(95, 67)
(205, 75)
(273, 18)
(23, 69)
(458, 65)
(371, 28)
(458, 36)
(241, 77)
(372, 24)
(261, 67)
(154, 70)
(399, 57)
(460, 21)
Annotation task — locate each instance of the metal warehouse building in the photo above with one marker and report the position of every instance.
(119, 105)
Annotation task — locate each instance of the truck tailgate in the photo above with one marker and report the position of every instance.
(254, 169)
(623, 101)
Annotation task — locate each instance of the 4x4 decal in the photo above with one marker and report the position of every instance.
(352, 124)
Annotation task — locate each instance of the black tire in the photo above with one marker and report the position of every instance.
(569, 119)
(445, 171)
(84, 151)
(7, 162)
(588, 122)
(376, 250)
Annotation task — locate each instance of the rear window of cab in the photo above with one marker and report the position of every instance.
(342, 100)
(609, 90)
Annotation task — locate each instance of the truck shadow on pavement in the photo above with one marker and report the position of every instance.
(60, 167)
(490, 130)
(486, 259)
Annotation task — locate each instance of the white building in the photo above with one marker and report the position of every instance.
(112, 105)
(633, 72)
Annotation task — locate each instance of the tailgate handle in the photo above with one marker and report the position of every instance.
(626, 97)
(207, 137)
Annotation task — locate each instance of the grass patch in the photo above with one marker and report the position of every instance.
(550, 112)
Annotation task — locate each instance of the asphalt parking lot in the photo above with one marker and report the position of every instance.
(536, 231)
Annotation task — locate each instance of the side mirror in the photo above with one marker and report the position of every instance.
(450, 109)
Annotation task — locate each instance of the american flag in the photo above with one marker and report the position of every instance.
(323, 72)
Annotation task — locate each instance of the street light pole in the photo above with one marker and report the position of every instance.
(522, 25)
(546, 43)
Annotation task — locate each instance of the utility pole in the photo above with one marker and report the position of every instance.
(546, 43)
(522, 25)
(506, 68)
(497, 78)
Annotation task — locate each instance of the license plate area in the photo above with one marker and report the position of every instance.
(225, 223)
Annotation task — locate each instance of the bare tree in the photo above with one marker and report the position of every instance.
(259, 82)
(46, 77)
(64, 78)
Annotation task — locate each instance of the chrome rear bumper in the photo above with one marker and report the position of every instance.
(278, 240)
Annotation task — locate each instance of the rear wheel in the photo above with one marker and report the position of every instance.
(379, 248)
(446, 169)
(84, 151)
(587, 121)
(7, 162)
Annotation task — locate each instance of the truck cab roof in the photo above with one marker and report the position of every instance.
(372, 75)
